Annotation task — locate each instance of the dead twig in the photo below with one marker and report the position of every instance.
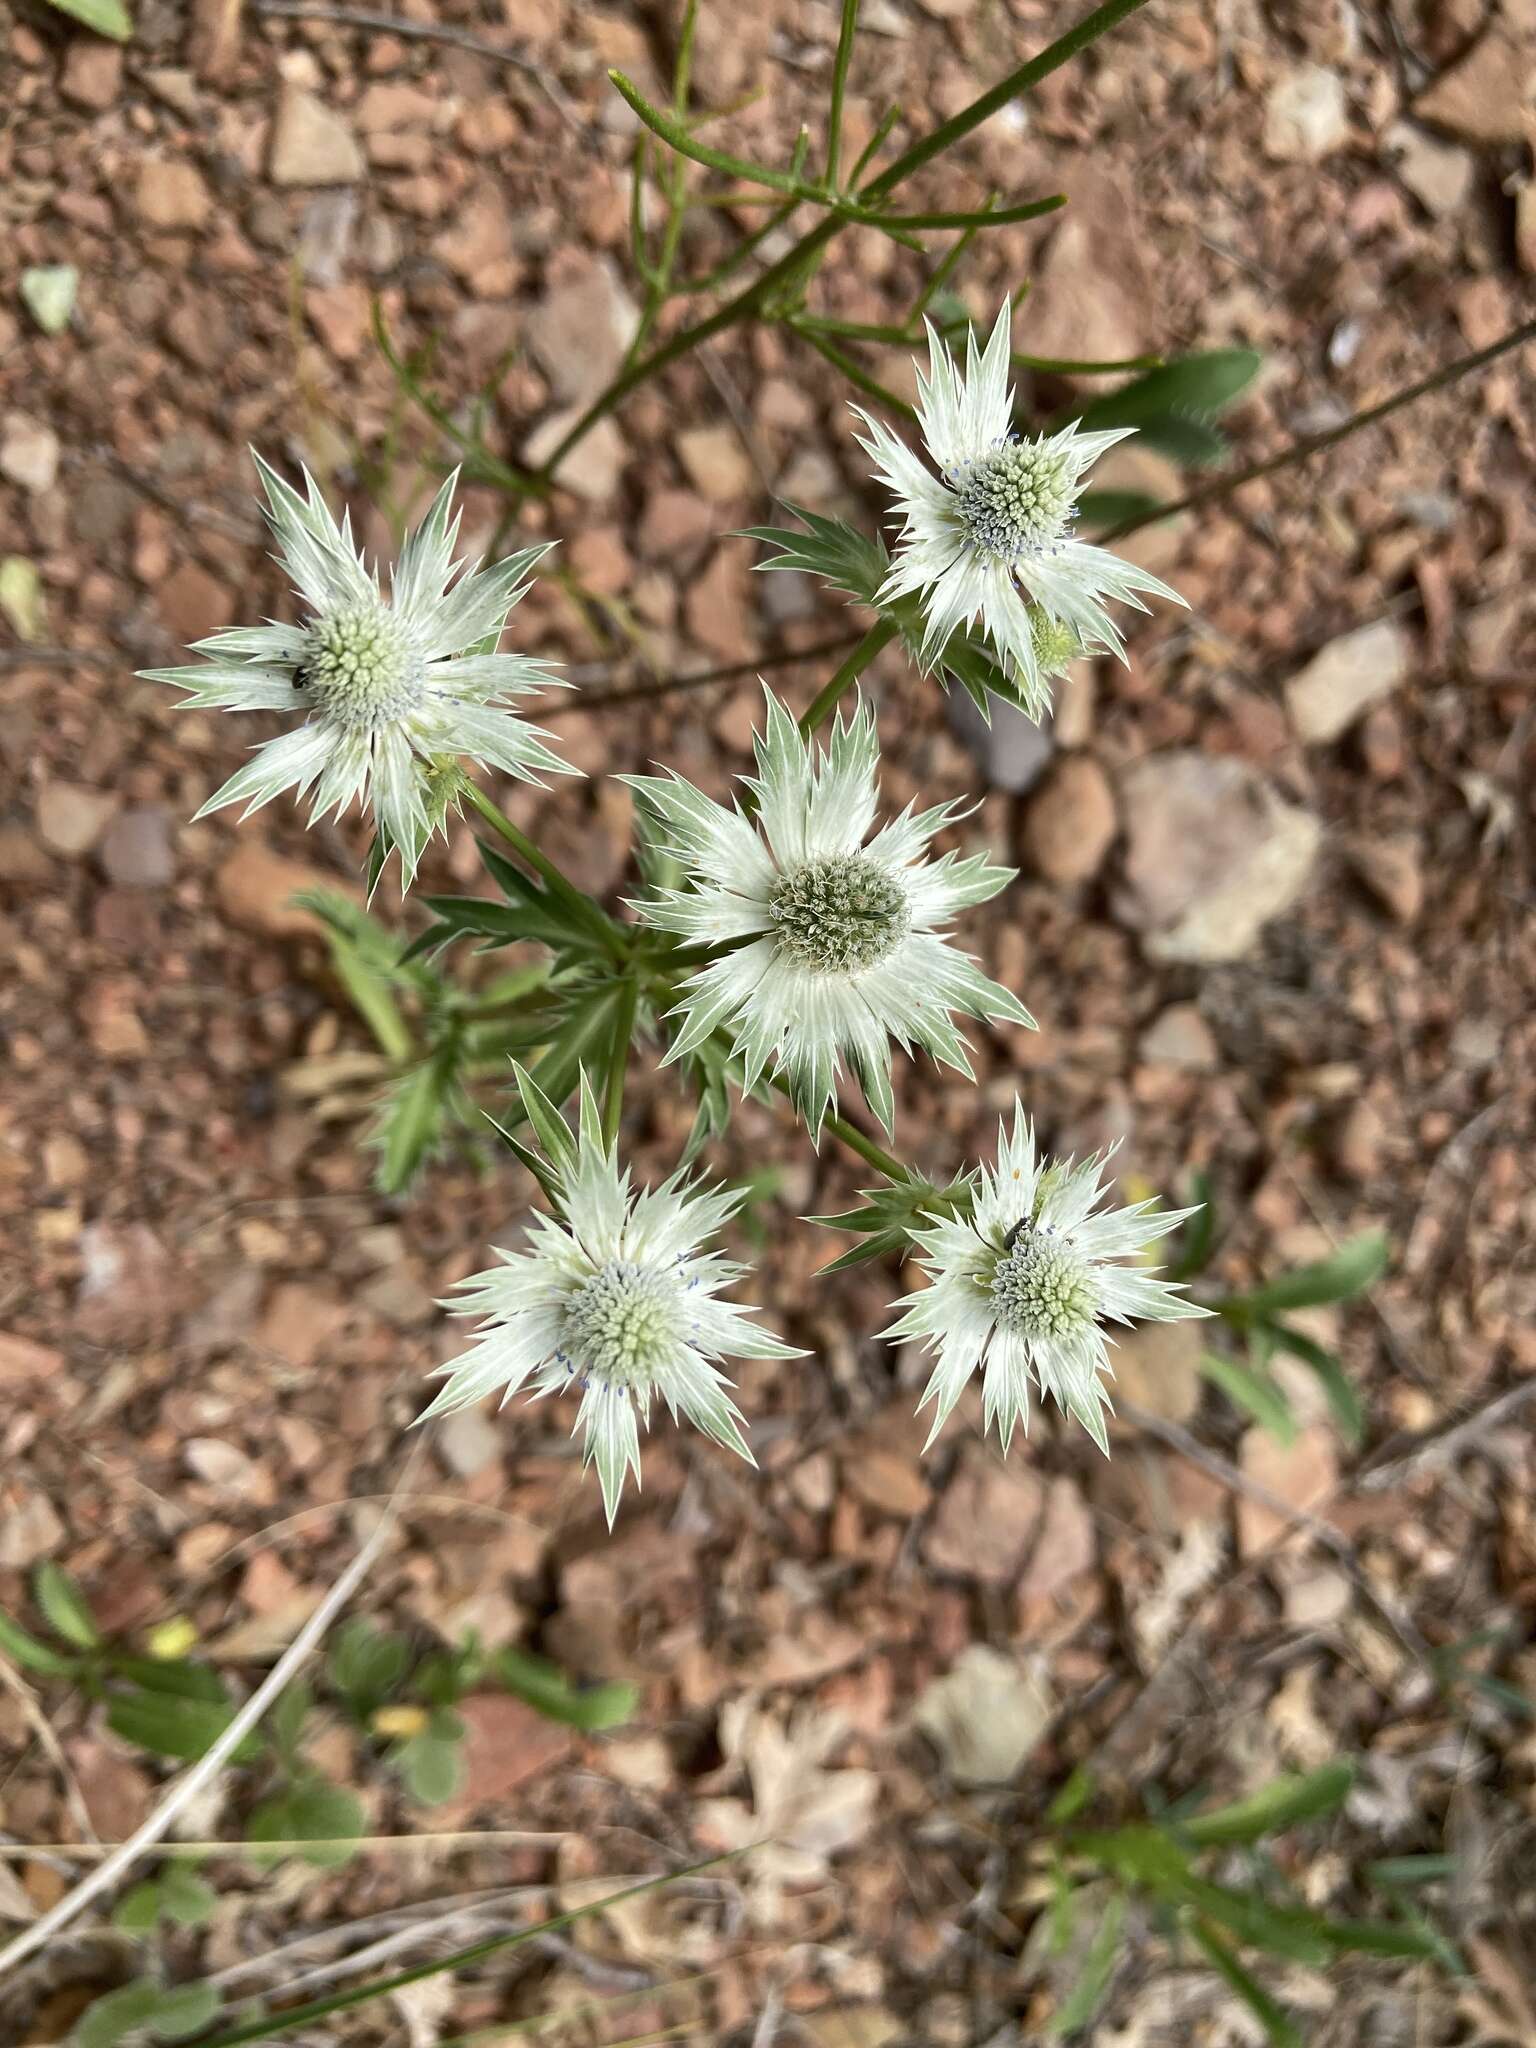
(37, 1720)
(1434, 1453)
(427, 32)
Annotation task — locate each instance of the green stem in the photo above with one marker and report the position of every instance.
(850, 1135)
(531, 856)
(880, 634)
(1062, 51)
(855, 372)
(618, 1057)
(847, 29)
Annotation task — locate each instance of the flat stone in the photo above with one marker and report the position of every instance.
(469, 1441)
(1438, 174)
(985, 1518)
(1157, 1369)
(171, 193)
(194, 602)
(718, 466)
(29, 452)
(1391, 867)
(984, 1716)
(886, 1482)
(1180, 1037)
(1304, 115)
(23, 1361)
(1011, 750)
(1486, 97)
(592, 468)
(137, 852)
(1302, 1474)
(93, 73)
(29, 1532)
(311, 143)
(580, 330)
(506, 1746)
(1071, 822)
(1343, 679)
(71, 818)
(1212, 853)
(1064, 1550)
(256, 888)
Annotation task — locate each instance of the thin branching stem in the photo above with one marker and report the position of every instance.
(534, 858)
(880, 634)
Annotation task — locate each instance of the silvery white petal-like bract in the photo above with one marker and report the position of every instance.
(1021, 1288)
(392, 688)
(990, 537)
(835, 938)
(615, 1298)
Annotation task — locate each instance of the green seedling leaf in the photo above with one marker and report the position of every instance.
(1098, 1966)
(311, 1809)
(1343, 1402)
(431, 1764)
(104, 17)
(1194, 389)
(30, 1654)
(48, 292)
(1256, 1393)
(61, 1601)
(546, 1688)
(178, 1894)
(1283, 1803)
(175, 1726)
(165, 2012)
(1348, 1271)
(367, 1665)
(174, 1675)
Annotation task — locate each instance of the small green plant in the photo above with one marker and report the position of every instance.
(1209, 1881)
(398, 1697)
(1257, 1321)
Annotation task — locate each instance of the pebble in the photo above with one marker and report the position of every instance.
(1213, 852)
(592, 468)
(1345, 678)
(256, 888)
(886, 1482)
(71, 818)
(1072, 822)
(30, 1532)
(194, 602)
(311, 143)
(1486, 97)
(29, 452)
(1359, 1141)
(985, 1518)
(137, 852)
(23, 1361)
(1304, 115)
(1012, 751)
(1180, 1037)
(1064, 1549)
(1392, 869)
(506, 1746)
(580, 329)
(171, 194)
(1303, 1474)
(1157, 1368)
(469, 1441)
(93, 73)
(1438, 174)
(717, 464)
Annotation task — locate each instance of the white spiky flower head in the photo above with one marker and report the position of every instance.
(990, 537)
(394, 688)
(1022, 1287)
(836, 940)
(615, 1298)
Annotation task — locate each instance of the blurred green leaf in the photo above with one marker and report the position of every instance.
(178, 1894)
(1259, 1396)
(30, 1654)
(1098, 509)
(174, 1726)
(545, 1687)
(169, 2013)
(1283, 1803)
(21, 599)
(1279, 2029)
(311, 1809)
(106, 17)
(1343, 1402)
(1348, 1271)
(60, 1600)
(1098, 1966)
(1197, 1239)
(431, 1765)
(367, 1665)
(366, 959)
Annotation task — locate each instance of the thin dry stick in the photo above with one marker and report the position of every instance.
(1436, 1452)
(493, 1838)
(187, 1789)
(425, 32)
(37, 1720)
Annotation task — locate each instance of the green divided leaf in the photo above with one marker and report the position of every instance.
(61, 1601)
(106, 17)
(366, 958)
(829, 548)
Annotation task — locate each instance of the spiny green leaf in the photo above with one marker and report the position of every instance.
(850, 561)
(30, 1654)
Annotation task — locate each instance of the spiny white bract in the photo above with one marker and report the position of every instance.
(842, 949)
(990, 537)
(617, 1299)
(1022, 1287)
(395, 694)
